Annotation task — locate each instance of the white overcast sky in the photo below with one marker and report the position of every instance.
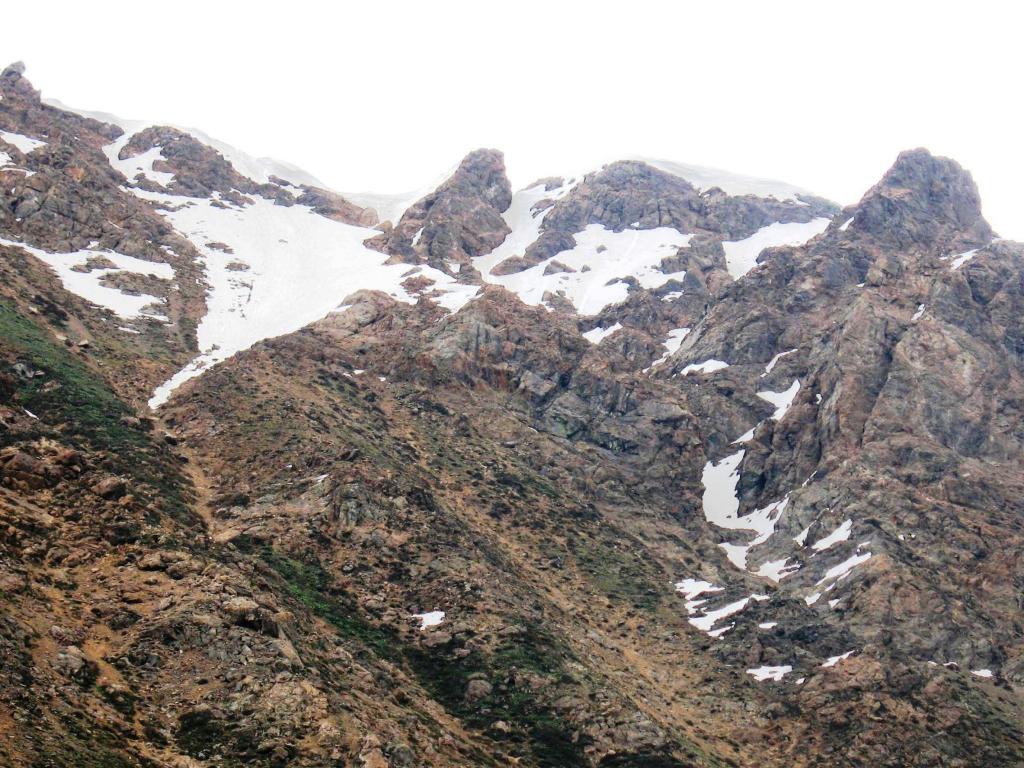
(385, 95)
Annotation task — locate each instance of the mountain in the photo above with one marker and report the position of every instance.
(657, 466)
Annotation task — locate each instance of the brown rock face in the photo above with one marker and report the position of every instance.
(66, 197)
(922, 202)
(460, 220)
(15, 82)
(31, 472)
(633, 194)
(198, 170)
(336, 207)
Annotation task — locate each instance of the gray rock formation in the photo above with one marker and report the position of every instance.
(458, 221)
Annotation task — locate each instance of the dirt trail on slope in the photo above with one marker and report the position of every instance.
(194, 469)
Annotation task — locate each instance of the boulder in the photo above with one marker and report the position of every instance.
(478, 689)
(109, 488)
(27, 470)
(72, 663)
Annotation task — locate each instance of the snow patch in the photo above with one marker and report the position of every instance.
(781, 400)
(691, 588)
(842, 533)
(770, 673)
(602, 260)
(771, 363)
(746, 436)
(445, 291)
(777, 570)
(24, 143)
(142, 163)
(741, 255)
(736, 554)
(707, 621)
(961, 259)
(708, 366)
(671, 344)
(721, 507)
(88, 285)
(833, 660)
(801, 538)
(719, 500)
(596, 335)
(429, 619)
(841, 571)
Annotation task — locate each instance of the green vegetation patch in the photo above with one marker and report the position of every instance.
(309, 584)
(92, 415)
(535, 730)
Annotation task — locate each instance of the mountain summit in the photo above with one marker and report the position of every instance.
(460, 220)
(923, 200)
(651, 467)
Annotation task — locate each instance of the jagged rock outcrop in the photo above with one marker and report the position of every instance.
(633, 194)
(334, 206)
(60, 194)
(458, 221)
(922, 202)
(201, 171)
(198, 170)
(894, 442)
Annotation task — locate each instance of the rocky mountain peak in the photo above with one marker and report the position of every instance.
(460, 220)
(17, 69)
(923, 202)
(484, 169)
(13, 81)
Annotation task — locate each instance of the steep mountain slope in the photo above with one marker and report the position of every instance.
(657, 467)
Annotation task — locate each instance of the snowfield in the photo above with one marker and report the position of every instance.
(781, 400)
(600, 264)
(741, 255)
(597, 335)
(88, 285)
(288, 267)
(25, 144)
(735, 184)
